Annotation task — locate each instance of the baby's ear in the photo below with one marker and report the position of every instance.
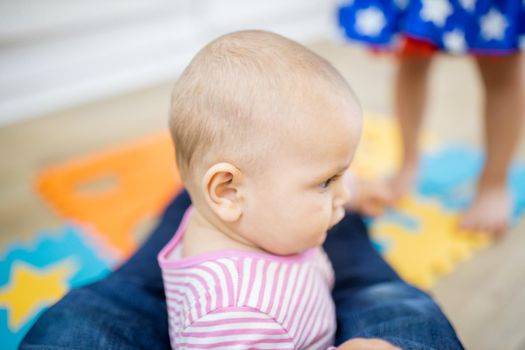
(221, 188)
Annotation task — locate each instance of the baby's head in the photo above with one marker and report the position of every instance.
(264, 130)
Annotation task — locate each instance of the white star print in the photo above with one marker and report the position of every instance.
(493, 25)
(370, 21)
(454, 41)
(402, 4)
(468, 4)
(435, 11)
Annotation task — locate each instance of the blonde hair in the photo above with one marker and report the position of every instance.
(237, 89)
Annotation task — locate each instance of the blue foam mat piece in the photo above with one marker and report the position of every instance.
(450, 176)
(68, 243)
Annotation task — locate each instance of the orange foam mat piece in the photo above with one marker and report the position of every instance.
(114, 191)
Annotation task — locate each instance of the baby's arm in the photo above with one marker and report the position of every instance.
(234, 328)
(241, 328)
(368, 197)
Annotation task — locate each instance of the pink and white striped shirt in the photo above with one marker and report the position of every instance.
(233, 299)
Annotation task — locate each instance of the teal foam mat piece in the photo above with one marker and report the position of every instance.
(451, 173)
(35, 274)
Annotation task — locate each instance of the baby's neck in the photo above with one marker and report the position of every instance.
(201, 237)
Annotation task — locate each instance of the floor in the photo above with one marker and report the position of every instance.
(484, 298)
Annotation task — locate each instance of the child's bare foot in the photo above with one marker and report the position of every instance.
(403, 180)
(490, 211)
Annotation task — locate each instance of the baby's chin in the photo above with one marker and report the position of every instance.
(314, 243)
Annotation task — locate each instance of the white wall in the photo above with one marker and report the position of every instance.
(59, 53)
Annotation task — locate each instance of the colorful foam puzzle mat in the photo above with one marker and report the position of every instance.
(115, 190)
(35, 274)
(144, 178)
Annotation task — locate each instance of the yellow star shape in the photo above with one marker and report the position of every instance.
(31, 288)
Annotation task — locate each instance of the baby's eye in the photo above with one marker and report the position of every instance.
(327, 183)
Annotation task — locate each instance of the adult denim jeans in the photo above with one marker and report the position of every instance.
(127, 309)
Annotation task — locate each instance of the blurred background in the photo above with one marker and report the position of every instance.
(81, 81)
(57, 54)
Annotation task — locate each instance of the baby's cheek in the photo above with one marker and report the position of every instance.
(322, 217)
(319, 205)
(312, 216)
(326, 210)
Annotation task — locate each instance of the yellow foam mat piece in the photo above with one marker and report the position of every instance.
(379, 151)
(430, 249)
(435, 246)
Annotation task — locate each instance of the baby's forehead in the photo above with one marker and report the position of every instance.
(330, 113)
(324, 134)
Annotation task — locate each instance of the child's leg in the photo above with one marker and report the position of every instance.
(410, 93)
(504, 112)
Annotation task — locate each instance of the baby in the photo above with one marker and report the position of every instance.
(265, 131)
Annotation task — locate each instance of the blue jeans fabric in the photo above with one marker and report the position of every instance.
(127, 309)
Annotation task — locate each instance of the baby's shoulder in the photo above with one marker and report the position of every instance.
(250, 287)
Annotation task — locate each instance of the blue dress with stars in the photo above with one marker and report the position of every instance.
(455, 26)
